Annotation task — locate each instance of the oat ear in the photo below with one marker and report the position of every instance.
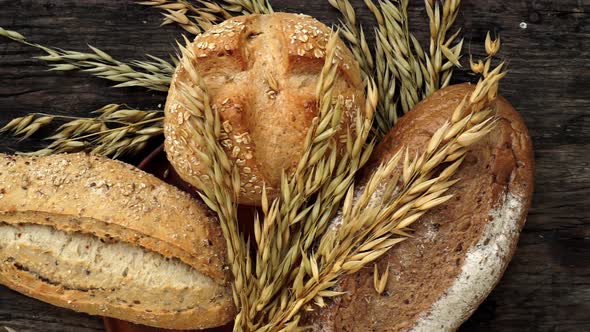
(153, 75)
(197, 18)
(220, 193)
(116, 131)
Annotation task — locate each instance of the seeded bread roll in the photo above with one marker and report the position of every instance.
(261, 72)
(459, 250)
(101, 237)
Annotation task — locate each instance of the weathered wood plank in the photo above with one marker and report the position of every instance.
(546, 287)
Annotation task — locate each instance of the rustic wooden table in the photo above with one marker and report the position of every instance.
(547, 43)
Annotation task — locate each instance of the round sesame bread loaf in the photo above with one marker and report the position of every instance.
(460, 249)
(261, 73)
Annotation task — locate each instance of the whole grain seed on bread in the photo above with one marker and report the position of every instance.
(102, 237)
(261, 73)
(459, 250)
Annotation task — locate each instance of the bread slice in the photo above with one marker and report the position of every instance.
(461, 249)
(101, 237)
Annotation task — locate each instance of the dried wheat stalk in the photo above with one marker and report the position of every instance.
(116, 132)
(444, 56)
(404, 73)
(273, 238)
(198, 18)
(204, 132)
(389, 20)
(188, 16)
(355, 37)
(380, 281)
(154, 74)
(397, 195)
(249, 6)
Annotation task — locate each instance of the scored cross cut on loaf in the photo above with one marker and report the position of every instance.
(261, 73)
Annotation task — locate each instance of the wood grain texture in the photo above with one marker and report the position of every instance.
(546, 287)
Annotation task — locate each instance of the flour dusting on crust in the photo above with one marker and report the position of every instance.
(484, 265)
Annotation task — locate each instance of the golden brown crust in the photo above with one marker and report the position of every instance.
(209, 315)
(261, 73)
(429, 268)
(112, 201)
(116, 200)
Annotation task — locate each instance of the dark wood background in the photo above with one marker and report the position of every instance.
(546, 287)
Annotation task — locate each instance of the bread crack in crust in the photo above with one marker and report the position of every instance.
(119, 271)
(261, 73)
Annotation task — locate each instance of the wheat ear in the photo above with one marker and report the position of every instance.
(197, 19)
(154, 74)
(398, 193)
(117, 131)
(204, 130)
(397, 52)
(355, 36)
(443, 55)
(275, 238)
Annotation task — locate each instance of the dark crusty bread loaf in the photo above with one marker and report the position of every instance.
(102, 237)
(261, 72)
(460, 249)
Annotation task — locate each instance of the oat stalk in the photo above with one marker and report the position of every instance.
(249, 6)
(309, 222)
(380, 281)
(405, 74)
(354, 34)
(293, 222)
(153, 74)
(194, 19)
(204, 130)
(483, 66)
(397, 194)
(445, 48)
(274, 238)
(398, 72)
(117, 131)
(199, 15)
